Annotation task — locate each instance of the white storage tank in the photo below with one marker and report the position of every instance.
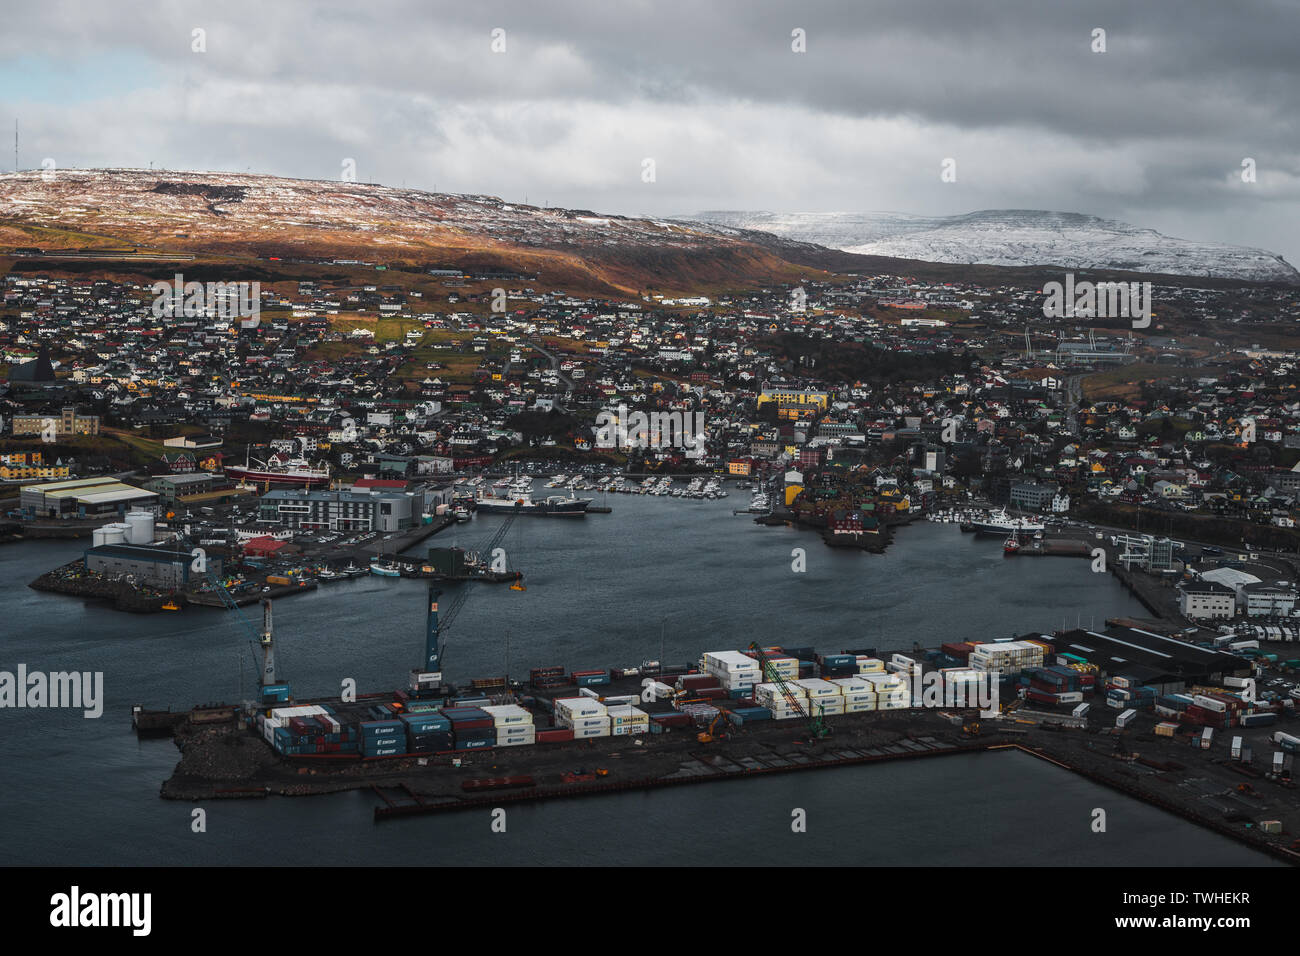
(113, 533)
(139, 525)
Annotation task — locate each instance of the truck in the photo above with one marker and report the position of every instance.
(1080, 711)
(1287, 742)
(1125, 718)
(1236, 748)
(1207, 735)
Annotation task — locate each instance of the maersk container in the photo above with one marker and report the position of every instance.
(426, 722)
(382, 728)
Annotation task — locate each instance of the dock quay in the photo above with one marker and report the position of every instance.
(245, 598)
(1056, 547)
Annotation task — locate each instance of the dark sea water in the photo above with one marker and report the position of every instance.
(602, 591)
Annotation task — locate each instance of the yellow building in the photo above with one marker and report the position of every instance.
(21, 472)
(68, 422)
(791, 402)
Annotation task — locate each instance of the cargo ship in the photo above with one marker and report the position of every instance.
(278, 470)
(554, 506)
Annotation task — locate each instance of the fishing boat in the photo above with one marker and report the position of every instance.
(1011, 545)
(385, 569)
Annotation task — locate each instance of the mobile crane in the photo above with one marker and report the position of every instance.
(817, 726)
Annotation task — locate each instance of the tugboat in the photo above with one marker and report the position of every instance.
(1011, 545)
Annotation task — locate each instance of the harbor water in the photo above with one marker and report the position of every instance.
(657, 576)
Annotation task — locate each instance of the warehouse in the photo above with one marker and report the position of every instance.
(1165, 663)
(167, 567)
(83, 498)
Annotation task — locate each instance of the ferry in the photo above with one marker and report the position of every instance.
(1000, 524)
(555, 506)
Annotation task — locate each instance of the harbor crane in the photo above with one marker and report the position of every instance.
(263, 639)
(817, 726)
(427, 678)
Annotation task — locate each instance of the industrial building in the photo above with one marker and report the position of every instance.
(1165, 663)
(83, 498)
(1206, 600)
(173, 488)
(371, 510)
(164, 566)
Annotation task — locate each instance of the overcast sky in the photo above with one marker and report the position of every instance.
(1152, 131)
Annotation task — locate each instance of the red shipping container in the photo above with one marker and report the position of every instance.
(700, 680)
(459, 725)
(554, 736)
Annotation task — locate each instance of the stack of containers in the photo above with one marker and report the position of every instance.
(824, 697)
(625, 720)
(428, 732)
(313, 734)
(905, 666)
(704, 686)
(1007, 657)
(544, 677)
(958, 651)
(735, 671)
(892, 692)
(769, 696)
(1172, 705)
(745, 715)
(962, 684)
(382, 738)
(513, 725)
(870, 665)
(782, 665)
(859, 694)
(584, 716)
(472, 728)
(838, 665)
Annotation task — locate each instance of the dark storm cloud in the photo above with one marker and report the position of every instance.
(1154, 129)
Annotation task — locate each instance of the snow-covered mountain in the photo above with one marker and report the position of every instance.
(1015, 237)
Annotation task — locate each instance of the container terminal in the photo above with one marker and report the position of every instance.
(1177, 724)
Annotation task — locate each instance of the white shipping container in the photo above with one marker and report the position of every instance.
(861, 697)
(579, 706)
(900, 704)
(518, 740)
(577, 722)
(515, 730)
(850, 685)
(1081, 710)
(1126, 718)
(859, 707)
(827, 706)
(1209, 703)
(601, 730)
(627, 715)
(624, 730)
(505, 714)
(816, 687)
